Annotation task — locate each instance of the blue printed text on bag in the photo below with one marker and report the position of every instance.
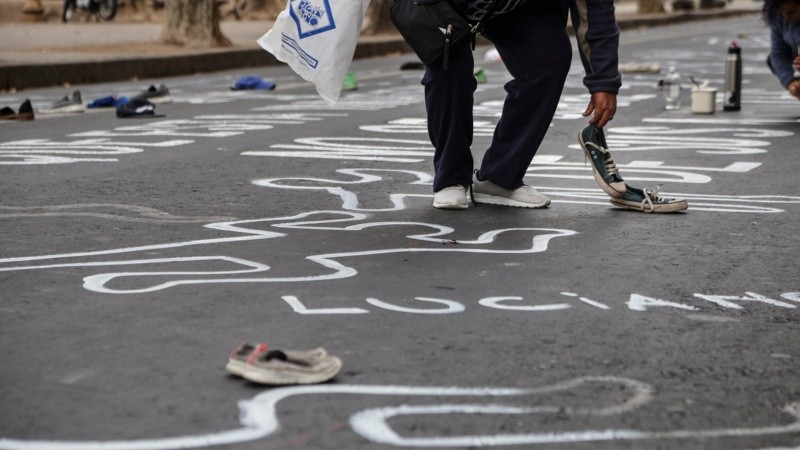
(311, 16)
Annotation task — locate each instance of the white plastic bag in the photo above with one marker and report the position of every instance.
(317, 39)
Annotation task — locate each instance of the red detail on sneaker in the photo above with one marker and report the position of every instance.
(259, 350)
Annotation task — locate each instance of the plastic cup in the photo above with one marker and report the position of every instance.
(704, 100)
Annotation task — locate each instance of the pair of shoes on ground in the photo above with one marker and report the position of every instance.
(25, 112)
(66, 105)
(486, 192)
(259, 364)
(593, 142)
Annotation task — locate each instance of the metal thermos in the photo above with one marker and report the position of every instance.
(733, 79)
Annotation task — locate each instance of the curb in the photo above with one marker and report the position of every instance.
(82, 72)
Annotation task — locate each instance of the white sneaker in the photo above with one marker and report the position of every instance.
(453, 197)
(522, 197)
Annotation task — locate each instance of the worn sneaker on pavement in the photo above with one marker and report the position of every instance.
(605, 171)
(25, 111)
(66, 105)
(7, 113)
(522, 197)
(157, 95)
(279, 367)
(647, 200)
(237, 361)
(453, 197)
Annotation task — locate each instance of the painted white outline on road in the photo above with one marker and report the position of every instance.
(259, 418)
(45, 151)
(349, 200)
(98, 283)
(126, 213)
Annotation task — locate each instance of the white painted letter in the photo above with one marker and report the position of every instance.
(726, 300)
(494, 302)
(792, 296)
(298, 307)
(641, 303)
(452, 307)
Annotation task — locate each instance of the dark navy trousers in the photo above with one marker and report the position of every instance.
(532, 41)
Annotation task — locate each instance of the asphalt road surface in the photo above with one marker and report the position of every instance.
(135, 254)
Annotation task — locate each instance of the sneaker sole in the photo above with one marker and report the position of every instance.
(264, 376)
(663, 208)
(236, 367)
(450, 205)
(502, 201)
(613, 193)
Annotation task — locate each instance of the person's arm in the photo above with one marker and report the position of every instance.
(597, 33)
(781, 56)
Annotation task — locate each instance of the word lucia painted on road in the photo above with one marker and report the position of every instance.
(636, 302)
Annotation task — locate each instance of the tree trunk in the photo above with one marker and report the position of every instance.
(650, 6)
(193, 23)
(377, 20)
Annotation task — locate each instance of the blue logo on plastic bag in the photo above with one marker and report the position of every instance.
(311, 16)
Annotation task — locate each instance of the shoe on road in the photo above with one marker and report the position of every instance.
(259, 364)
(278, 367)
(6, 113)
(237, 361)
(522, 197)
(66, 105)
(648, 200)
(154, 94)
(453, 197)
(605, 171)
(25, 111)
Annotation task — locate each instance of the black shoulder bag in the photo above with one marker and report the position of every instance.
(432, 28)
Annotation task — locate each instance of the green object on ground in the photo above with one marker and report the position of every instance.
(350, 82)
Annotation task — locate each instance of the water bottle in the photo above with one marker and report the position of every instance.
(732, 100)
(672, 89)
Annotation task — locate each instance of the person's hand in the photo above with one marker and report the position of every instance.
(603, 106)
(794, 88)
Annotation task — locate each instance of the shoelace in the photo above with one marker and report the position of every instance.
(650, 195)
(608, 161)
